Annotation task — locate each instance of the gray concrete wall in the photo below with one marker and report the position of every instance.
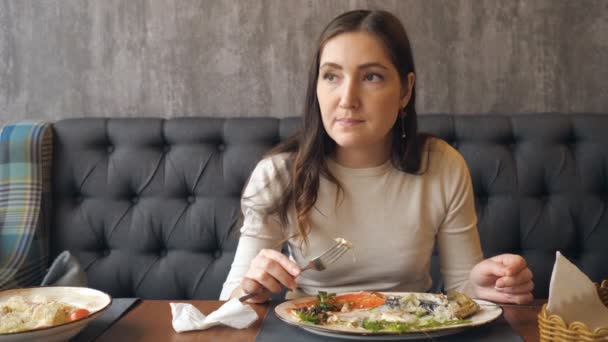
(66, 58)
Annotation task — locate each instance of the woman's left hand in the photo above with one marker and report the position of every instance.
(504, 278)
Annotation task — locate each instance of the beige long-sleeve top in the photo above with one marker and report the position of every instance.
(392, 218)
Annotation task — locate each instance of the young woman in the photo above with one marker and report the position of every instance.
(358, 169)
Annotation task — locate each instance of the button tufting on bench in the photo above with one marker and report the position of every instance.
(516, 161)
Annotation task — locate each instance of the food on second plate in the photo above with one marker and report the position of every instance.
(377, 312)
(19, 314)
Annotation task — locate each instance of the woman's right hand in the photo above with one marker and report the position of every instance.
(269, 271)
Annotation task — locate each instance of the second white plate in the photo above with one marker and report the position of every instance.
(93, 300)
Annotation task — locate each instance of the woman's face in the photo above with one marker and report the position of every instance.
(359, 91)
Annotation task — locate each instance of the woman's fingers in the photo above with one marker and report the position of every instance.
(277, 272)
(281, 259)
(259, 299)
(499, 297)
(252, 286)
(265, 280)
(486, 272)
(504, 278)
(524, 298)
(520, 278)
(513, 263)
(278, 266)
(517, 289)
(492, 269)
(270, 270)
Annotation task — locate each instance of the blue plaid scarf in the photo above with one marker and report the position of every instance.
(25, 159)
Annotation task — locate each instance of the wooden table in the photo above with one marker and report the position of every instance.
(150, 320)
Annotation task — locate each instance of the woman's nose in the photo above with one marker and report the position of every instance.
(349, 98)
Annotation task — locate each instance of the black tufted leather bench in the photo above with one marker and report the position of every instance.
(150, 206)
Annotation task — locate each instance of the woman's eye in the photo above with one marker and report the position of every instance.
(373, 77)
(329, 77)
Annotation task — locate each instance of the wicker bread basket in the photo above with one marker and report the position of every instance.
(553, 327)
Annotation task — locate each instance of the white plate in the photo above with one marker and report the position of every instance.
(486, 314)
(93, 300)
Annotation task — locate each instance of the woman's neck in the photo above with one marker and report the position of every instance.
(362, 157)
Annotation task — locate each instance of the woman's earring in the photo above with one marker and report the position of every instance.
(402, 114)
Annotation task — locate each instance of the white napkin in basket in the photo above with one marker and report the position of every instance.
(573, 296)
(233, 314)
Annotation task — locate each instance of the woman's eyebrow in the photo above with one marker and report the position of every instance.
(330, 65)
(362, 66)
(371, 65)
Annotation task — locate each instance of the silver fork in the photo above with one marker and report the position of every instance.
(319, 263)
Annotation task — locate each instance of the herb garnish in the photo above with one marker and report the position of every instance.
(402, 327)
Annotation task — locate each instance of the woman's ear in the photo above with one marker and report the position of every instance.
(405, 98)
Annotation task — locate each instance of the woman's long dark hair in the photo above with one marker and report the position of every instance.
(311, 145)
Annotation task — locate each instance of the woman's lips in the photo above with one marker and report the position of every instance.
(349, 122)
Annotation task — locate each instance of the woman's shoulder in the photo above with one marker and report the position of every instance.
(438, 145)
(271, 168)
(441, 154)
(274, 163)
(269, 175)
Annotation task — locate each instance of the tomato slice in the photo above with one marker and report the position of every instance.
(359, 300)
(362, 300)
(78, 314)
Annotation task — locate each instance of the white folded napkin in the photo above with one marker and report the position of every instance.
(573, 296)
(233, 314)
